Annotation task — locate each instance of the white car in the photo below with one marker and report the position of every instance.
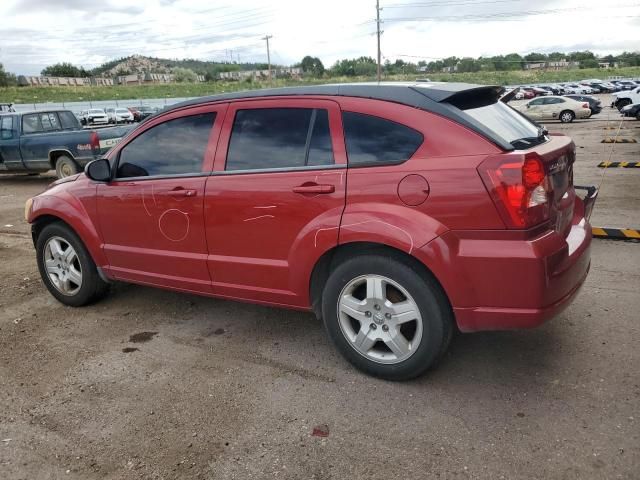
(576, 89)
(626, 97)
(95, 116)
(119, 115)
(555, 108)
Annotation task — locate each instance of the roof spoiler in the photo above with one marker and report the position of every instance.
(463, 98)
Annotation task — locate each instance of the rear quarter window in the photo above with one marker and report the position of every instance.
(374, 140)
(68, 121)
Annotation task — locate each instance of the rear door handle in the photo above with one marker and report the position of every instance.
(314, 188)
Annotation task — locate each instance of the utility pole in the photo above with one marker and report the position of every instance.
(267, 37)
(378, 32)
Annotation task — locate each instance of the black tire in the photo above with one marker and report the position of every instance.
(567, 116)
(619, 104)
(66, 166)
(434, 308)
(93, 287)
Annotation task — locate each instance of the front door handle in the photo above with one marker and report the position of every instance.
(314, 188)
(181, 192)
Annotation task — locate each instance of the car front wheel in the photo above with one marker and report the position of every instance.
(66, 268)
(385, 317)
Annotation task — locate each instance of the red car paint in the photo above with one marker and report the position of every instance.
(257, 237)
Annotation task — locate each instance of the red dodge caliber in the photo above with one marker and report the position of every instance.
(396, 212)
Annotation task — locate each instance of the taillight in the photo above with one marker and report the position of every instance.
(585, 105)
(94, 141)
(519, 188)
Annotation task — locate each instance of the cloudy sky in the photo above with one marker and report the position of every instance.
(36, 33)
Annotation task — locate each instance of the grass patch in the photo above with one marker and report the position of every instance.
(177, 90)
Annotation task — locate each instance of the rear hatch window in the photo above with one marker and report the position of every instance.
(508, 124)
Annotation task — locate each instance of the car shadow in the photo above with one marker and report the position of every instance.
(506, 359)
(28, 178)
(514, 359)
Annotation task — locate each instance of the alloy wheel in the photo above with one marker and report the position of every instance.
(62, 265)
(380, 319)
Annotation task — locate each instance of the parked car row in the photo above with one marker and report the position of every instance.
(114, 115)
(583, 87)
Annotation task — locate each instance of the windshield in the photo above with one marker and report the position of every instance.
(508, 124)
(96, 111)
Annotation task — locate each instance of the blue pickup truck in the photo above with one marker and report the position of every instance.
(35, 142)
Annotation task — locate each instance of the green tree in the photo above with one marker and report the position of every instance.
(581, 56)
(184, 75)
(468, 64)
(312, 66)
(7, 79)
(65, 70)
(535, 57)
(556, 56)
(630, 59)
(361, 66)
(589, 63)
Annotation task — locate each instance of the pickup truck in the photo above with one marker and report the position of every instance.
(35, 142)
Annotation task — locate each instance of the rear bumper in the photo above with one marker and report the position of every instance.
(495, 281)
(495, 318)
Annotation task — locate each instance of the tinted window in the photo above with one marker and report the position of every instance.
(68, 120)
(170, 148)
(504, 121)
(31, 123)
(537, 101)
(279, 138)
(372, 140)
(551, 101)
(6, 127)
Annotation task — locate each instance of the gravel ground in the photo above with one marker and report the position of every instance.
(154, 384)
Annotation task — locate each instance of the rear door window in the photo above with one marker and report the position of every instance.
(279, 138)
(376, 141)
(175, 147)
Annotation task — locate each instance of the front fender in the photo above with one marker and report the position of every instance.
(74, 213)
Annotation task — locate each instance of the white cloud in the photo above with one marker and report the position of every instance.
(36, 33)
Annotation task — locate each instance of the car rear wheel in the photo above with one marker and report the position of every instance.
(65, 167)
(567, 116)
(385, 317)
(66, 268)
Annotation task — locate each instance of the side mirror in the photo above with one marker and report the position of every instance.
(98, 170)
(528, 106)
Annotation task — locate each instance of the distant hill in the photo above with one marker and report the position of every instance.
(142, 64)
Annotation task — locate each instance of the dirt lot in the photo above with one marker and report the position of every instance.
(151, 384)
